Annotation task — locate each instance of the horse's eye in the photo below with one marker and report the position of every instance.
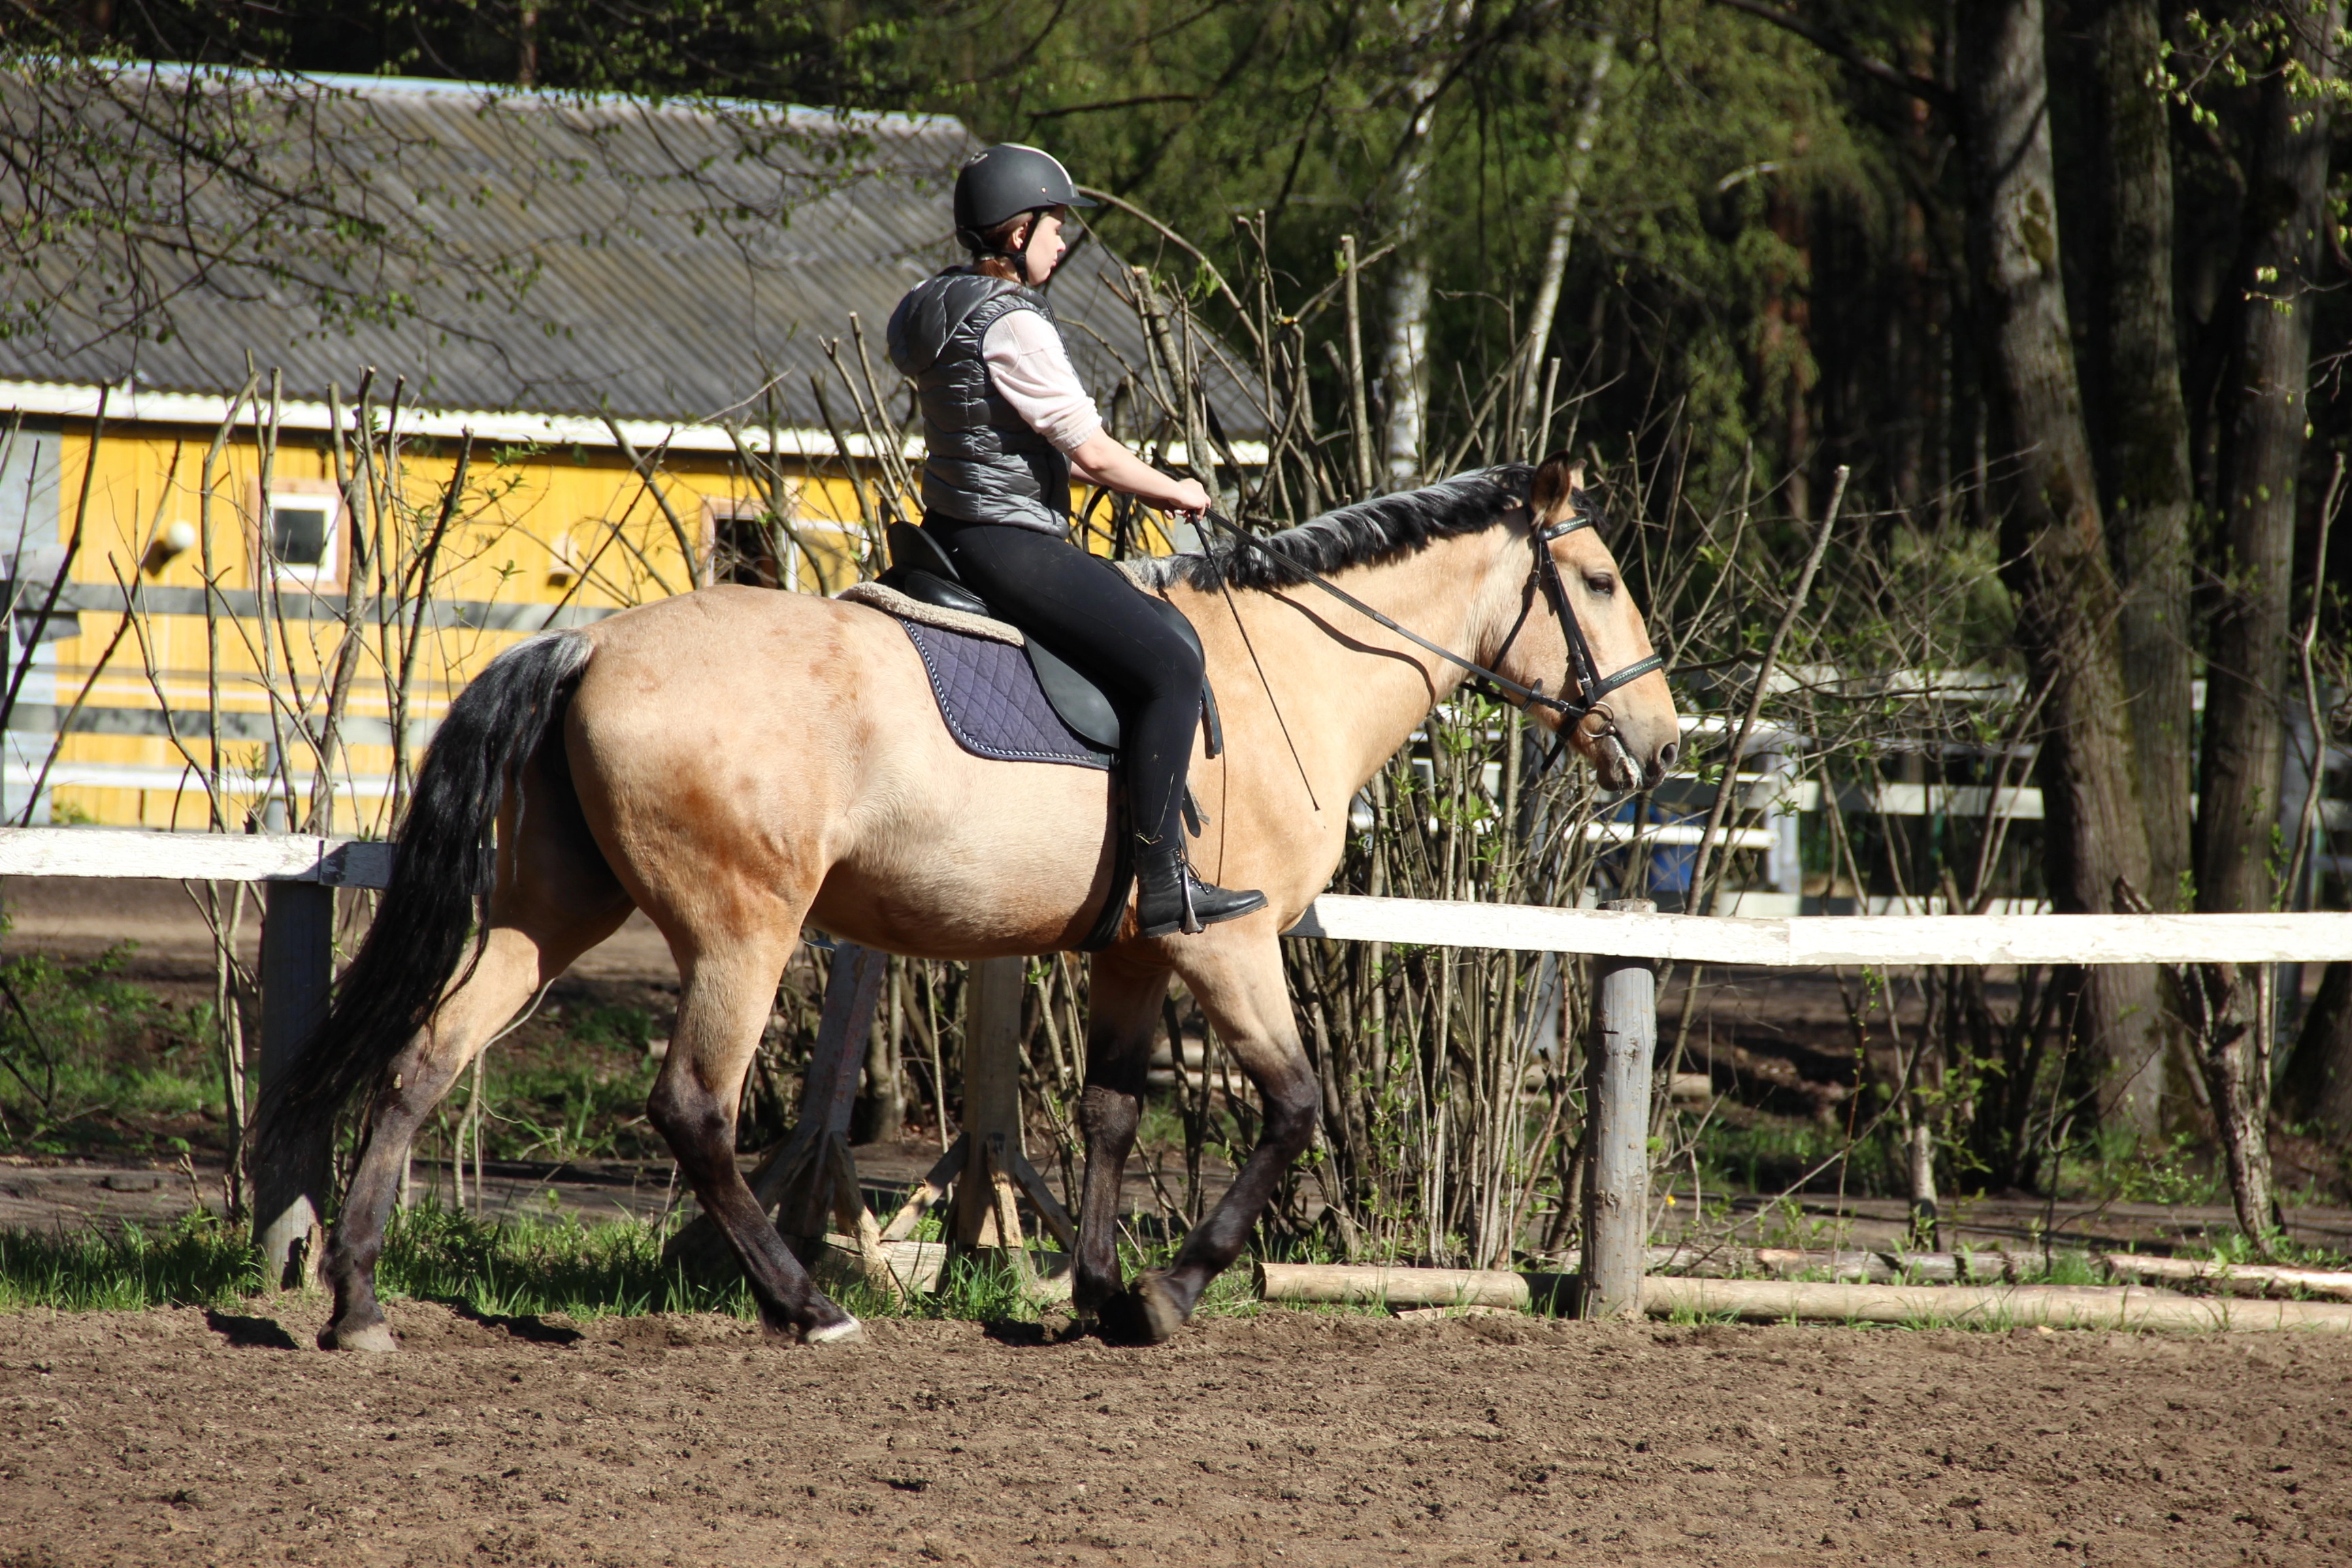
(1601, 584)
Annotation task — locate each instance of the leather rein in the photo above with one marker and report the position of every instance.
(1592, 688)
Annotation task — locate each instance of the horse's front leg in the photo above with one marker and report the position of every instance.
(1235, 974)
(1124, 995)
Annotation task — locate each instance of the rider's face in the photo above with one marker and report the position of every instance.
(1047, 247)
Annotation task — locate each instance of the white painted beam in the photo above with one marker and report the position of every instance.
(1819, 940)
(1816, 941)
(194, 857)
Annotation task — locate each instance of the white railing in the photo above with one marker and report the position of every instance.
(300, 873)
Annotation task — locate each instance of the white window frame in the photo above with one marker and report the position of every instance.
(304, 495)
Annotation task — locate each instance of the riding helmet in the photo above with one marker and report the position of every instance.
(1004, 181)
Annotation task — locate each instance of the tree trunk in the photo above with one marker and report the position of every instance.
(2144, 449)
(2317, 1088)
(1576, 170)
(1405, 368)
(2067, 597)
(2262, 459)
(2231, 1022)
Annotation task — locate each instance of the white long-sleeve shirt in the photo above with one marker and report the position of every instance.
(1031, 368)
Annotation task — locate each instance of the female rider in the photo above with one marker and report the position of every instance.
(1005, 423)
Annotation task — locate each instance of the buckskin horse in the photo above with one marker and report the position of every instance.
(739, 762)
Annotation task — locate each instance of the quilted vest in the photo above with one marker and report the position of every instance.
(982, 462)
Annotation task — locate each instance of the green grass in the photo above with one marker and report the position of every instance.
(92, 1063)
(2119, 1169)
(538, 1266)
(196, 1262)
(529, 1266)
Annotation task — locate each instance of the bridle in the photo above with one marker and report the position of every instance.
(1588, 711)
(1592, 688)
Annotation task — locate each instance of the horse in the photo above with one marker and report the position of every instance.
(740, 763)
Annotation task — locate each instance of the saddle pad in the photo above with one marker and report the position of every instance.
(990, 700)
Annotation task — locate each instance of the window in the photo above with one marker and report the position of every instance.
(744, 547)
(298, 535)
(303, 542)
(749, 545)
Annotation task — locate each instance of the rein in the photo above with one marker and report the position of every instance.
(1592, 688)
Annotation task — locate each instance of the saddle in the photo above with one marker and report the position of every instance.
(921, 569)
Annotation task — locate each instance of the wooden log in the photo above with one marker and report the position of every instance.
(290, 1192)
(1372, 1285)
(1982, 1305)
(1723, 1260)
(1617, 1082)
(1690, 1087)
(2238, 1279)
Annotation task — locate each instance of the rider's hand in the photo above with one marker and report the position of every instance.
(1190, 498)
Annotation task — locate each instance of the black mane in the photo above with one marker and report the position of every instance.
(1349, 536)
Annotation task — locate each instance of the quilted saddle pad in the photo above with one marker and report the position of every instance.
(992, 702)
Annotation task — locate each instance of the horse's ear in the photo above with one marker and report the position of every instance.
(1557, 481)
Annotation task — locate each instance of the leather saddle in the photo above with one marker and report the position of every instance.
(920, 569)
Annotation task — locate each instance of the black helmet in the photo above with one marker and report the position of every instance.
(1002, 181)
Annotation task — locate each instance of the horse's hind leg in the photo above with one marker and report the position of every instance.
(1123, 998)
(556, 900)
(1238, 980)
(728, 987)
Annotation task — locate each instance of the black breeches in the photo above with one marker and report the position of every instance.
(1085, 612)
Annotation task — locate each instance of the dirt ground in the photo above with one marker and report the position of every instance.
(188, 1438)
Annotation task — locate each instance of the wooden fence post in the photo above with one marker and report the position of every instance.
(289, 1193)
(1617, 1083)
(987, 1167)
(992, 1106)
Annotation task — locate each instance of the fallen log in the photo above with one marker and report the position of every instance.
(1982, 1305)
(1376, 1285)
(2238, 1278)
(1722, 1260)
(1778, 1301)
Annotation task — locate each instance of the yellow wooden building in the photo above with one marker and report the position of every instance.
(209, 512)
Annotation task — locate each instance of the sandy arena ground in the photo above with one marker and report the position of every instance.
(182, 1437)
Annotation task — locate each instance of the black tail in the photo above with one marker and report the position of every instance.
(440, 895)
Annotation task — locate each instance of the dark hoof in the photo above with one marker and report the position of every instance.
(375, 1338)
(1146, 1315)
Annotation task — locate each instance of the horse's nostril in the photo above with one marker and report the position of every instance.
(1668, 752)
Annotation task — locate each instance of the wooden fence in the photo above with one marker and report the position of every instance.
(300, 873)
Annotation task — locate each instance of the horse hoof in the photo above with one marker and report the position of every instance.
(375, 1338)
(1147, 1315)
(848, 1332)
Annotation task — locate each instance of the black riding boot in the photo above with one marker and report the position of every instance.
(1169, 898)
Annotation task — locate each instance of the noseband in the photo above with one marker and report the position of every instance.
(1588, 711)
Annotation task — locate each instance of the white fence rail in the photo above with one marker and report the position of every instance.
(1824, 940)
(300, 873)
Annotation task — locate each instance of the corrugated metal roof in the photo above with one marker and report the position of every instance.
(670, 260)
